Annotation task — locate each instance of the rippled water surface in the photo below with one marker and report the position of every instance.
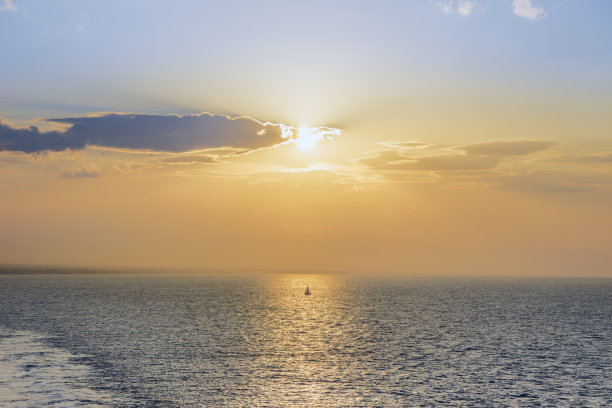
(189, 341)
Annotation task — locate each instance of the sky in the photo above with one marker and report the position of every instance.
(421, 137)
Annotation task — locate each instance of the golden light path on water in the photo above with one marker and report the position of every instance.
(301, 340)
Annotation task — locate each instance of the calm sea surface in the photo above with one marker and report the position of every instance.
(191, 341)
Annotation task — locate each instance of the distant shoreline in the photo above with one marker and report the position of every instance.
(6, 270)
(69, 270)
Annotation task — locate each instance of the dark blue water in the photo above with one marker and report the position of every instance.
(190, 341)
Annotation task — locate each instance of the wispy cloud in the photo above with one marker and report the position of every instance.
(465, 8)
(525, 9)
(332, 175)
(392, 160)
(408, 145)
(587, 158)
(11, 160)
(506, 165)
(514, 148)
(461, 7)
(480, 156)
(192, 159)
(82, 173)
(7, 5)
(169, 133)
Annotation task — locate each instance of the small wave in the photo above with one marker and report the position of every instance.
(34, 374)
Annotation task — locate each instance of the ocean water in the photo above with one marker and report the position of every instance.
(202, 341)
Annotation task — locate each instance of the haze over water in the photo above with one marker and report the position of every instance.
(180, 341)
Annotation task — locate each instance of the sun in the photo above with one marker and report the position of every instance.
(307, 138)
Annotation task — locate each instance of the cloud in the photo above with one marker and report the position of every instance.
(481, 164)
(384, 160)
(518, 148)
(465, 8)
(481, 156)
(590, 158)
(170, 133)
(82, 173)
(525, 9)
(447, 8)
(13, 160)
(406, 145)
(192, 159)
(392, 160)
(32, 140)
(461, 7)
(7, 5)
(456, 162)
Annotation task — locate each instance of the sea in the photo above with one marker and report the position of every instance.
(181, 340)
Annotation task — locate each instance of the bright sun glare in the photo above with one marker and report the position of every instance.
(307, 138)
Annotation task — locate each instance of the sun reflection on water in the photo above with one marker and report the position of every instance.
(297, 338)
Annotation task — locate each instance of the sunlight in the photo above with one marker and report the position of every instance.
(307, 138)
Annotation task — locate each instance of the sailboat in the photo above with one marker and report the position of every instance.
(307, 292)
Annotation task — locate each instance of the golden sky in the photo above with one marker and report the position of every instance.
(430, 138)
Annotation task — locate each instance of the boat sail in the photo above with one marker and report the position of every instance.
(307, 292)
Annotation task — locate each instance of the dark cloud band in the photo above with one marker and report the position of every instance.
(169, 133)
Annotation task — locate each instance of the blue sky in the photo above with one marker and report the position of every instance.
(72, 56)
